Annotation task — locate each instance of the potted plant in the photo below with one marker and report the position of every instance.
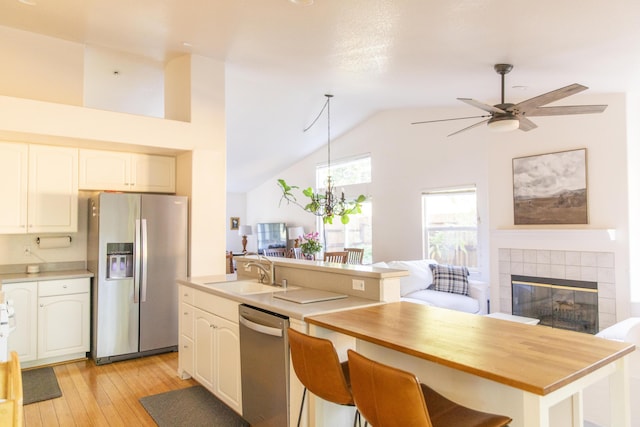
(311, 244)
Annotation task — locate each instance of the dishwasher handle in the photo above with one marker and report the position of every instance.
(276, 332)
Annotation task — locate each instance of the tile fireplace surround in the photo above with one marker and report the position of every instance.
(573, 265)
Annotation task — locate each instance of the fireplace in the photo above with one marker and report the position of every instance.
(583, 266)
(559, 303)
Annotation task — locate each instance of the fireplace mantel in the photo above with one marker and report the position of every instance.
(592, 239)
(602, 234)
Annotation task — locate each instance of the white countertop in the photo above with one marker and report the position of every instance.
(266, 301)
(44, 275)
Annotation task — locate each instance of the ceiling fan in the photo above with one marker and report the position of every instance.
(505, 116)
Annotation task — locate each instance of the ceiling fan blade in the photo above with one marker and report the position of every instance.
(481, 105)
(448, 120)
(565, 110)
(469, 127)
(526, 124)
(547, 98)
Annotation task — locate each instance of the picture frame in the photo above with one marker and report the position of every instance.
(234, 223)
(551, 188)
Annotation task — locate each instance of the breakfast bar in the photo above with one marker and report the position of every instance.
(534, 374)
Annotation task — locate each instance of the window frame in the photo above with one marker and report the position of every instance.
(351, 191)
(426, 229)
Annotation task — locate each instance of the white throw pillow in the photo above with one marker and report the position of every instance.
(420, 276)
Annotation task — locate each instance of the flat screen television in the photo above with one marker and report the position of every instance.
(271, 235)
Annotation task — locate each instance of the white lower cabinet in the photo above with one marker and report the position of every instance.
(24, 338)
(52, 320)
(63, 325)
(212, 353)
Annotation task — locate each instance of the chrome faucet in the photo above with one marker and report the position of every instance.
(262, 270)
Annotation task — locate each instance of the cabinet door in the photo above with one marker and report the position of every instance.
(227, 363)
(23, 339)
(204, 341)
(104, 170)
(156, 174)
(53, 189)
(13, 187)
(63, 325)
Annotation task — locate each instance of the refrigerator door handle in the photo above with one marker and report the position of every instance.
(143, 275)
(136, 275)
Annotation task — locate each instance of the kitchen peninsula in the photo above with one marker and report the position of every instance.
(519, 370)
(209, 347)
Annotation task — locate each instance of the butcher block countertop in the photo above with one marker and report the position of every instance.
(533, 358)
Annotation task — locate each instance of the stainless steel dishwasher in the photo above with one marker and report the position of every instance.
(264, 363)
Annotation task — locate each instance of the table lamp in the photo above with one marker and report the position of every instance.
(244, 231)
(294, 234)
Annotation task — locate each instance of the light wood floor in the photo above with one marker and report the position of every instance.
(106, 395)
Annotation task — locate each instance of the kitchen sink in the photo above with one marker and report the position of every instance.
(246, 287)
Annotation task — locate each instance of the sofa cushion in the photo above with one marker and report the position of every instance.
(450, 278)
(420, 276)
(445, 300)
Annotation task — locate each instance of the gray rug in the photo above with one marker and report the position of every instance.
(39, 384)
(192, 406)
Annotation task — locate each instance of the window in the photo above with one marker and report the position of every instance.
(450, 226)
(351, 177)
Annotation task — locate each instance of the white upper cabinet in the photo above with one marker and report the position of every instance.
(39, 187)
(14, 163)
(111, 170)
(53, 189)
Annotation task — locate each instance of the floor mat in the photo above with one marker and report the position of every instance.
(39, 384)
(191, 406)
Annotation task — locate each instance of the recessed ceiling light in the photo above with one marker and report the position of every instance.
(187, 44)
(28, 2)
(302, 2)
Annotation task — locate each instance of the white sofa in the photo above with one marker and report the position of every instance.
(414, 288)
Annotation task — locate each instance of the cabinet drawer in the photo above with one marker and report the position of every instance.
(186, 294)
(186, 320)
(219, 306)
(62, 287)
(185, 355)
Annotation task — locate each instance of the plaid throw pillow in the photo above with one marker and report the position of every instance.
(450, 278)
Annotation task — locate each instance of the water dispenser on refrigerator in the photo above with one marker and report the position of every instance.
(119, 260)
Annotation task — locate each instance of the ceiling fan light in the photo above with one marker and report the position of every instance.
(506, 124)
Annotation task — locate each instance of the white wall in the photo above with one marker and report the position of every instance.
(605, 138)
(236, 207)
(633, 160)
(118, 81)
(49, 118)
(39, 67)
(408, 159)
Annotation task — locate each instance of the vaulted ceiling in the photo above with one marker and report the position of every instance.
(373, 55)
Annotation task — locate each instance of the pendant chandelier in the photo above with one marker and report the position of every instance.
(327, 204)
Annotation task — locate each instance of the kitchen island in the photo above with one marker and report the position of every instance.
(533, 374)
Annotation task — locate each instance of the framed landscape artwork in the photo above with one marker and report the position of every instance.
(551, 188)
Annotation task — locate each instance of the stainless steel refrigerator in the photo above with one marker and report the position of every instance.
(136, 248)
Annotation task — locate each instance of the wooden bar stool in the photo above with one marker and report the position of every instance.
(389, 397)
(318, 368)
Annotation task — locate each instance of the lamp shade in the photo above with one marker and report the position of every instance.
(503, 124)
(295, 232)
(245, 230)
